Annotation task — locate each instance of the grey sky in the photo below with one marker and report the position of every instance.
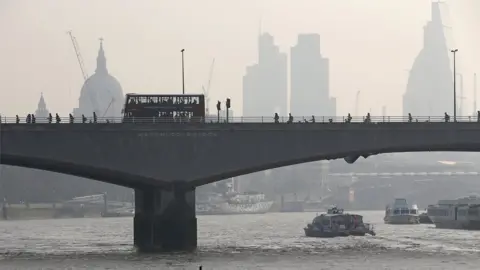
(370, 43)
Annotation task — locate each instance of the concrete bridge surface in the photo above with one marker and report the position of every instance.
(165, 162)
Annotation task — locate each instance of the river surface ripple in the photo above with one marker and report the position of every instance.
(270, 241)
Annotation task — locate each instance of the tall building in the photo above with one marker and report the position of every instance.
(429, 89)
(101, 92)
(265, 83)
(309, 79)
(42, 111)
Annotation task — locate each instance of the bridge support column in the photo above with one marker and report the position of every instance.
(164, 220)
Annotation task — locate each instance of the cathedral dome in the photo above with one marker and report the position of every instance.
(101, 92)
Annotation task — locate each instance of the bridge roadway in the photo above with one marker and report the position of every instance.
(165, 162)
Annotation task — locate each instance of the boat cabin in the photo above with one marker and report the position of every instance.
(401, 207)
(329, 220)
(334, 210)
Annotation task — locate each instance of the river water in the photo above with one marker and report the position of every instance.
(270, 241)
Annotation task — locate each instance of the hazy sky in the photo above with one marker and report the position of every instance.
(371, 45)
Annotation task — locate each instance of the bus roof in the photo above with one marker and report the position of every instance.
(163, 95)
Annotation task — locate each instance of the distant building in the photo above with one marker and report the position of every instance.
(309, 79)
(101, 92)
(429, 89)
(42, 111)
(265, 87)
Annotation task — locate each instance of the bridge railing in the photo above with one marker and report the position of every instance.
(243, 119)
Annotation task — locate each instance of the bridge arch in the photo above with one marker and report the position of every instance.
(353, 155)
(90, 172)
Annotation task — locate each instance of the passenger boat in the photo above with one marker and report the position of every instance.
(326, 226)
(229, 201)
(337, 223)
(462, 213)
(400, 212)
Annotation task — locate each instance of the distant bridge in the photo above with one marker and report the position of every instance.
(391, 174)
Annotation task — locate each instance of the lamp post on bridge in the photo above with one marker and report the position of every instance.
(219, 104)
(227, 105)
(454, 51)
(183, 73)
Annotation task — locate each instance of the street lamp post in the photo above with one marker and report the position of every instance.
(454, 51)
(183, 73)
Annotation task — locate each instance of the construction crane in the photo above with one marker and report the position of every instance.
(79, 55)
(82, 67)
(207, 90)
(112, 101)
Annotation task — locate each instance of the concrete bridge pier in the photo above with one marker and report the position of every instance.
(165, 220)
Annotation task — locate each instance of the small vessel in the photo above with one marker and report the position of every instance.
(462, 213)
(326, 226)
(400, 212)
(337, 223)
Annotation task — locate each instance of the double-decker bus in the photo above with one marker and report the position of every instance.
(164, 108)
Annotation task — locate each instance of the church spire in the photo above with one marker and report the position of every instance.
(436, 14)
(42, 111)
(41, 103)
(101, 60)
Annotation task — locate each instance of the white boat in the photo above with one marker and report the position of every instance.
(462, 213)
(400, 212)
(232, 202)
(247, 203)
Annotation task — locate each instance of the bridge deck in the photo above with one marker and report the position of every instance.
(240, 126)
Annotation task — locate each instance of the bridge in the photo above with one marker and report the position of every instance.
(404, 174)
(165, 162)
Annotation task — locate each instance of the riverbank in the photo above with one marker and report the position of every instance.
(44, 211)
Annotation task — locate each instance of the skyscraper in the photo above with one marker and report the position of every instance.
(265, 83)
(430, 83)
(309, 79)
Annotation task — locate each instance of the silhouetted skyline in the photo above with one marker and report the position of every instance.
(310, 79)
(430, 84)
(371, 44)
(265, 86)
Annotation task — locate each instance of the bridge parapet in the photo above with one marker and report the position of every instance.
(256, 119)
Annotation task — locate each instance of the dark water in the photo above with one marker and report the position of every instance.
(271, 241)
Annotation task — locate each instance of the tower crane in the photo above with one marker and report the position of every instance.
(207, 90)
(112, 101)
(82, 68)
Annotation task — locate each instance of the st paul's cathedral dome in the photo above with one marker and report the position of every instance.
(101, 92)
